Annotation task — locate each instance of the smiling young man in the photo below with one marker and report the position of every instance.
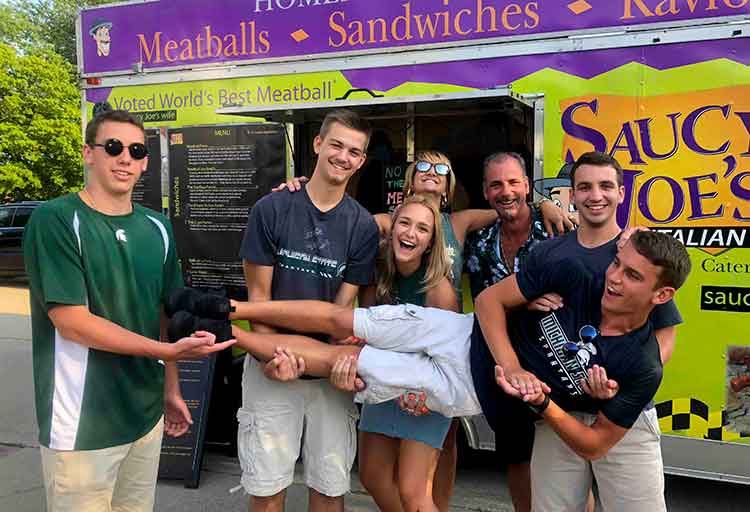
(601, 324)
(100, 267)
(319, 244)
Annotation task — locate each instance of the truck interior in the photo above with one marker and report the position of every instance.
(466, 126)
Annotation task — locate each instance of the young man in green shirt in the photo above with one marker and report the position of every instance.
(99, 269)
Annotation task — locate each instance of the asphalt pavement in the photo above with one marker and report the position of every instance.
(480, 486)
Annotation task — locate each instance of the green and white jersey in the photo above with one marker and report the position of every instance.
(122, 268)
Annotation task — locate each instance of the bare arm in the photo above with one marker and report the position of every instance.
(346, 294)
(383, 220)
(469, 220)
(78, 324)
(491, 308)
(442, 296)
(592, 442)
(258, 279)
(667, 337)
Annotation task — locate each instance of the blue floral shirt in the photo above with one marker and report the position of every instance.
(483, 253)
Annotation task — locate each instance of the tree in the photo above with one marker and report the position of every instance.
(52, 23)
(40, 125)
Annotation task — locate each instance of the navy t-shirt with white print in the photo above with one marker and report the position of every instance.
(539, 340)
(312, 252)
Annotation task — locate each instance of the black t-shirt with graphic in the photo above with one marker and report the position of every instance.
(312, 252)
(540, 341)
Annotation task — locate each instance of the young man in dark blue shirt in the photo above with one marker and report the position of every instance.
(316, 244)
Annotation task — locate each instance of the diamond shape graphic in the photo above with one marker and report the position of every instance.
(579, 7)
(299, 35)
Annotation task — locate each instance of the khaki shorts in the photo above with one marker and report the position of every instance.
(117, 479)
(630, 478)
(279, 421)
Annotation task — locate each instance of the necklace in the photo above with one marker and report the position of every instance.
(510, 265)
(91, 199)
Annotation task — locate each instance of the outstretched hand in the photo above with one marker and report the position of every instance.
(520, 383)
(197, 346)
(599, 386)
(284, 366)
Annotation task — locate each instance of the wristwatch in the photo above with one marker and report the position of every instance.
(539, 409)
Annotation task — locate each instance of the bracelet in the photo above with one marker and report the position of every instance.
(539, 409)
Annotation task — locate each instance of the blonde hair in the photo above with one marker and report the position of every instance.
(438, 266)
(434, 157)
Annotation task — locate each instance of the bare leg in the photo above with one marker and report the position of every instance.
(311, 316)
(319, 357)
(273, 503)
(321, 503)
(445, 477)
(519, 485)
(378, 466)
(417, 463)
(591, 502)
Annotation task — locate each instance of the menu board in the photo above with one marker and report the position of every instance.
(217, 173)
(181, 457)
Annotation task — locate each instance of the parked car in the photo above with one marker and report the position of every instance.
(13, 219)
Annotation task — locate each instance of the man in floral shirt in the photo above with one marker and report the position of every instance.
(492, 254)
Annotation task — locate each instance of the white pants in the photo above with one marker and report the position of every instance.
(279, 421)
(630, 477)
(414, 348)
(116, 479)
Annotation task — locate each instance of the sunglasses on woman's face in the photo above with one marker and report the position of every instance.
(441, 169)
(114, 147)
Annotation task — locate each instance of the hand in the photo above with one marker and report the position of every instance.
(519, 383)
(598, 385)
(547, 302)
(177, 419)
(284, 366)
(555, 220)
(293, 185)
(534, 399)
(625, 235)
(197, 346)
(351, 340)
(414, 403)
(344, 375)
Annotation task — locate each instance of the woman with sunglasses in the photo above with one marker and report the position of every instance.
(399, 452)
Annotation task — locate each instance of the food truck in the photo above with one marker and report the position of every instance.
(233, 92)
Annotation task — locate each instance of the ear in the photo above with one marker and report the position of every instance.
(662, 295)
(621, 194)
(88, 154)
(317, 142)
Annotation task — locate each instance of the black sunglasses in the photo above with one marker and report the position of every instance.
(587, 333)
(114, 147)
(424, 166)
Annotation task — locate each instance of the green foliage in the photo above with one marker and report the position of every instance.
(41, 24)
(40, 131)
